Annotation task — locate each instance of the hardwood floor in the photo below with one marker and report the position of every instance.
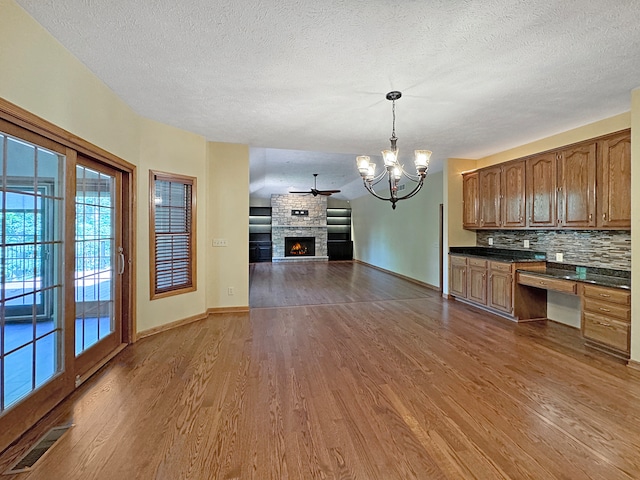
(341, 371)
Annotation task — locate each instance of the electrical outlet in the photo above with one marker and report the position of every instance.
(526, 244)
(559, 257)
(490, 241)
(230, 291)
(219, 242)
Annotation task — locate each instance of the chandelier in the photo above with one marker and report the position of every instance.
(394, 171)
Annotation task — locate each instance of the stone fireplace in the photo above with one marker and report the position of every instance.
(288, 223)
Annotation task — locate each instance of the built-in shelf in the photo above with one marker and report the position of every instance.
(339, 244)
(260, 234)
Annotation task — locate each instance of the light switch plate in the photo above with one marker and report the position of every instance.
(559, 257)
(490, 241)
(526, 244)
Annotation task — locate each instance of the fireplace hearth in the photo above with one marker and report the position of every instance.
(299, 246)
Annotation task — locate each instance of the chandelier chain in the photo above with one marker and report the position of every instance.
(393, 109)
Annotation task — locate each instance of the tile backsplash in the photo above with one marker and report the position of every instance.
(595, 248)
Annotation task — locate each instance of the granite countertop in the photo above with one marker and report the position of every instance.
(605, 277)
(502, 254)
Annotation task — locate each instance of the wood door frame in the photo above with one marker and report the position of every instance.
(23, 416)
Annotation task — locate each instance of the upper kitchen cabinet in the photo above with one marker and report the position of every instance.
(577, 186)
(614, 182)
(541, 191)
(490, 196)
(586, 185)
(470, 201)
(513, 194)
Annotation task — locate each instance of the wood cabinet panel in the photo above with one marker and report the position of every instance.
(606, 331)
(614, 182)
(470, 201)
(606, 318)
(490, 196)
(500, 288)
(620, 312)
(541, 181)
(513, 195)
(458, 276)
(477, 284)
(577, 186)
(559, 285)
(613, 295)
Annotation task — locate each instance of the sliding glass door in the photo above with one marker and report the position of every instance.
(99, 263)
(31, 317)
(62, 263)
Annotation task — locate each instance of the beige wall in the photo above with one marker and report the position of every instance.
(171, 150)
(404, 240)
(454, 234)
(635, 225)
(592, 130)
(228, 218)
(39, 75)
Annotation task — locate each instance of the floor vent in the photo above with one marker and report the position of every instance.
(36, 452)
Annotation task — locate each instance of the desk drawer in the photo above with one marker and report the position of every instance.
(614, 295)
(619, 312)
(607, 331)
(565, 286)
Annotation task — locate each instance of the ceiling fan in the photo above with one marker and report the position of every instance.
(314, 191)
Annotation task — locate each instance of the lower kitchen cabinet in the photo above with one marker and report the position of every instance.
(606, 319)
(490, 285)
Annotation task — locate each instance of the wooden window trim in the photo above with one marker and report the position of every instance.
(176, 178)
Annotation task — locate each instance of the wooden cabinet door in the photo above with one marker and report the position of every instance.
(500, 290)
(614, 182)
(513, 195)
(470, 201)
(477, 285)
(489, 179)
(577, 187)
(541, 190)
(458, 276)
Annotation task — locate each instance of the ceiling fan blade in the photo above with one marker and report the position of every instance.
(328, 191)
(294, 191)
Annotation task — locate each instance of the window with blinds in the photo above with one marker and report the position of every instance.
(172, 225)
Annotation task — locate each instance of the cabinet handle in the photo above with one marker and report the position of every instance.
(606, 295)
(520, 219)
(604, 309)
(604, 324)
(590, 216)
(604, 217)
(542, 283)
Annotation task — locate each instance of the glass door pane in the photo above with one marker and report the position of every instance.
(95, 257)
(31, 314)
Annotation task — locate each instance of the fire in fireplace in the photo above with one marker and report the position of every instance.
(299, 246)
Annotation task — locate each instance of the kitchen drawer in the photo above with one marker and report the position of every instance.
(604, 330)
(477, 262)
(619, 312)
(458, 260)
(614, 295)
(558, 285)
(500, 267)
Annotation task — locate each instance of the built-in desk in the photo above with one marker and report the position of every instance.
(605, 299)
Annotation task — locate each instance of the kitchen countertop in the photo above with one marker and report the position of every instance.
(501, 254)
(605, 277)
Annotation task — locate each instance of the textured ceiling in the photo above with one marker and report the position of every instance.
(477, 76)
